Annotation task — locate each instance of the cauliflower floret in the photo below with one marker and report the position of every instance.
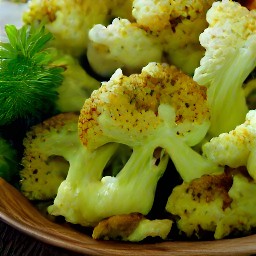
(173, 26)
(200, 204)
(45, 163)
(153, 14)
(131, 227)
(157, 83)
(70, 21)
(236, 148)
(220, 204)
(159, 113)
(230, 43)
(162, 30)
(121, 45)
(77, 84)
(181, 39)
(182, 47)
(158, 15)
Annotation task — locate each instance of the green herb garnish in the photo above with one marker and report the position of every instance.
(28, 79)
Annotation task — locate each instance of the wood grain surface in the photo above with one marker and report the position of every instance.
(16, 243)
(18, 212)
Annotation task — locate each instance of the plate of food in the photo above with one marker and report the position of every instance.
(129, 128)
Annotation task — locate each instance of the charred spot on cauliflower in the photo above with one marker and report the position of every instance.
(132, 227)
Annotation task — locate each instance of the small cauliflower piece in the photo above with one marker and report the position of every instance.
(70, 21)
(159, 113)
(162, 30)
(200, 204)
(236, 148)
(230, 56)
(177, 25)
(158, 228)
(182, 47)
(158, 15)
(240, 217)
(121, 45)
(154, 15)
(132, 227)
(45, 162)
(221, 204)
(77, 84)
(188, 21)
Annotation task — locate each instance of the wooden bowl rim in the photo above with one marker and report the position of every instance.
(18, 212)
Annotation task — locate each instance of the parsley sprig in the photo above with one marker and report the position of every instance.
(28, 78)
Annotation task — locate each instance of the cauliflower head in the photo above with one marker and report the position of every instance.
(159, 113)
(177, 24)
(45, 161)
(130, 104)
(77, 84)
(220, 204)
(70, 21)
(236, 148)
(161, 31)
(230, 56)
(121, 44)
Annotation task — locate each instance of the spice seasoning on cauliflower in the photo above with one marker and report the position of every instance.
(221, 204)
(162, 30)
(70, 21)
(177, 24)
(159, 113)
(131, 227)
(230, 43)
(121, 45)
(236, 148)
(45, 159)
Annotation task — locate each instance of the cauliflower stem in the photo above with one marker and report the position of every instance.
(167, 113)
(229, 58)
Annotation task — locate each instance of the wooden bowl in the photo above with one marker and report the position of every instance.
(19, 213)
